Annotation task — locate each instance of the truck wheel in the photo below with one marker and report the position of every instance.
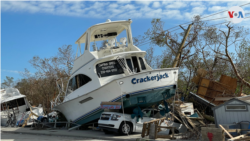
(107, 131)
(125, 128)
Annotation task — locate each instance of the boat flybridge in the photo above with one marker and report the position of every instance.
(112, 69)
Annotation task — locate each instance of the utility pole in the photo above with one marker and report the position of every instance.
(177, 57)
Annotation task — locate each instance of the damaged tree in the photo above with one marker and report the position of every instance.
(227, 36)
(161, 37)
(236, 37)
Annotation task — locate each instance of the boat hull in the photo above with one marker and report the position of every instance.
(134, 90)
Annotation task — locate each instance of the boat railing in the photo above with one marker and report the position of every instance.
(124, 65)
(60, 97)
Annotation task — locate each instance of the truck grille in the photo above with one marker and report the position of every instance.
(105, 116)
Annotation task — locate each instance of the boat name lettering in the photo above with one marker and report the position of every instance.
(149, 78)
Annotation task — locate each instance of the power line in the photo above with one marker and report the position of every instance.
(206, 16)
(148, 41)
(202, 20)
(206, 20)
(185, 24)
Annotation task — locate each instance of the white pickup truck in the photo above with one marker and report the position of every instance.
(124, 124)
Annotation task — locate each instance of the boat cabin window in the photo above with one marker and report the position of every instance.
(142, 63)
(2, 107)
(136, 64)
(76, 82)
(108, 39)
(13, 104)
(129, 63)
(108, 68)
(20, 101)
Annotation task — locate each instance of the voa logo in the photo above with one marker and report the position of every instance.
(236, 14)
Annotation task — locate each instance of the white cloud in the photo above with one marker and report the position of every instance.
(196, 3)
(123, 1)
(128, 7)
(156, 4)
(175, 14)
(198, 10)
(216, 8)
(11, 71)
(227, 2)
(121, 10)
(143, 2)
(72, 1)
(165, 2)
(113, 5)
(177, 5)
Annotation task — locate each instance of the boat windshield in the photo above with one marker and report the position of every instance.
(109, 40)
(13, 104)
(108, 68)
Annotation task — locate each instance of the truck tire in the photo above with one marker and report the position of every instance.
(124, 127)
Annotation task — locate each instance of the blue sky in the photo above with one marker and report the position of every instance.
(39, 28)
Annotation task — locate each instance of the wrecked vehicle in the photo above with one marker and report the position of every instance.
(128, 123)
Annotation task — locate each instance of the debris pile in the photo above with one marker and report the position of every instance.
(191, 118)
(213, 91)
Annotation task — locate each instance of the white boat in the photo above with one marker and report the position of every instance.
(13, 101)
(117, 71)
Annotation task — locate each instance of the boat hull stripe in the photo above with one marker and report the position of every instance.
(117, 98)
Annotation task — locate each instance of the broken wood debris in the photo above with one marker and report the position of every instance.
(157, 124)
(244, 137)
(213, 91)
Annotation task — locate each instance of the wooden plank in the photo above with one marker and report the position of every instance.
(195, 118)
(197, 111)
(204, 82)
(202, 91)
(26, 120)
(168, 127)
(238, 137)
(243, 139)
(227, 80)
(226, 131)
(222, 98)
(178, 102)
(176, 117)
(237, 130)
